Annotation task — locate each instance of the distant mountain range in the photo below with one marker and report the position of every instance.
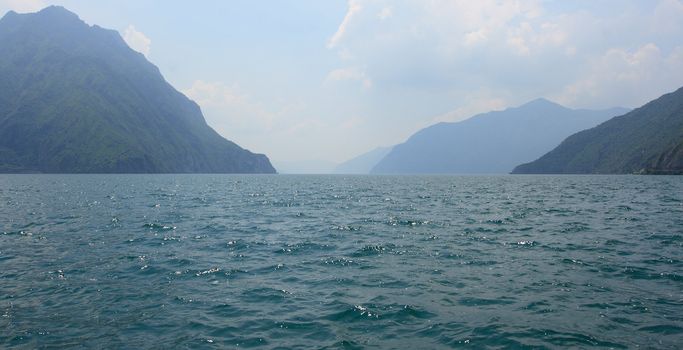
(363, 163)
(647, 140)
(75, 98)
(493, 142)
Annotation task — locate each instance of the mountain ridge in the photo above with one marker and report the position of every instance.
(490, 142)
(76, 98)
(647, 140)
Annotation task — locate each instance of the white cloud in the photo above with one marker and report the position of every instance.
(668, 16)
(283, 128)
(515, 50)
(352, 123)
(527, 36)
(350, 73)
(517, 40)
(21, 6)
(480, 101)
(137, 40)
(385, 13)
(630, 77)
(215, 94)
(476, 36)
(229, 108)
(354, 8)
(463, 22)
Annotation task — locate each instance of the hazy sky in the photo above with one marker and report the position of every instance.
(306, 80)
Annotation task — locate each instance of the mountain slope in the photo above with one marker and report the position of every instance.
(493, 142)
(648, 139)
(76, 98)
(363, 163)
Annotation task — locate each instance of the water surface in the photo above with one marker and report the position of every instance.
(348, 262)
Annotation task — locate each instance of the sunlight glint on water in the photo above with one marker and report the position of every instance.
(341, 261)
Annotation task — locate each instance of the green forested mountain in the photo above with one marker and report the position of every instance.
(76, 98)
(646, 140)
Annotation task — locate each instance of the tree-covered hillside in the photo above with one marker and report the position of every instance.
(646, 140)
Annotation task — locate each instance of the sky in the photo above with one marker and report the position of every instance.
(308, 81)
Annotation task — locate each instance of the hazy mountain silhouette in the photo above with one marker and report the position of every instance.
(76, 98)
(647, 140)
(363, 163)
(492, 142)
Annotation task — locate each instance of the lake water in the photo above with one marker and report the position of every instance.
(347, 262)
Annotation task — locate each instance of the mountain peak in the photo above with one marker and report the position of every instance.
(541, 102)
(56, 10)
(493, 142)
(50, 18)
(646, 140)
(9, 17)
(108, 109)
(58, 13)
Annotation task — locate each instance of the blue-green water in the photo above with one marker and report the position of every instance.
(204, 261)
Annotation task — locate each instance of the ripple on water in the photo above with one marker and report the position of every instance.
(228, 261)
(158, 227)
(374, 249)
(387, 313)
